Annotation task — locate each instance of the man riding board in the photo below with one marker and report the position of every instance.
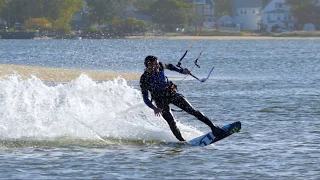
(164, 93)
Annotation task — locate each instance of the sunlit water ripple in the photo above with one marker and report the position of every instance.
(102, 130)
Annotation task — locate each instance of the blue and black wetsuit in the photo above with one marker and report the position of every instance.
(163, 95)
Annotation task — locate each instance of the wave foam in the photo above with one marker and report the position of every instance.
(83, 108)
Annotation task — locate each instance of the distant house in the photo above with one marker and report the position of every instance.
(226, 22)
(204, 8)
(317, 2)
(247, 14)
(277, 14)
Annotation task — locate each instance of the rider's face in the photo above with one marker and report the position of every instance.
(154, 66)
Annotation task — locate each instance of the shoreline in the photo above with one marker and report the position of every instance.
(189, 37)
(47, 74)
(220, 37)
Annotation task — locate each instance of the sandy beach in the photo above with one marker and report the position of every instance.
(218, 37)
(60, 75)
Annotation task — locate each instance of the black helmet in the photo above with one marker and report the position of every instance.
(149, 59)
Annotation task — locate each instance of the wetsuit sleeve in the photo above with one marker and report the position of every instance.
(144, 91)
(147, 101)
(171, 67)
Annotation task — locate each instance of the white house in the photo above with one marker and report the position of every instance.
(277, 13)
(247, 14)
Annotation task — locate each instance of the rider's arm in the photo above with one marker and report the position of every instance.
(147, 101)
(173, 68)
(145, 93)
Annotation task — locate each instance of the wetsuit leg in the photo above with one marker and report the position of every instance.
(180, 101)
(168, 116)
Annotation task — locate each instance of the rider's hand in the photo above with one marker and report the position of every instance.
(157, 111)
(185, 71)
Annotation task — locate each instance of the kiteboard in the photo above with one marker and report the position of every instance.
(209, 138)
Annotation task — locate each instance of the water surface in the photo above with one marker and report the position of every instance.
(103, 130)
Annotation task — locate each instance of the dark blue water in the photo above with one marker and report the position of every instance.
(102, 130)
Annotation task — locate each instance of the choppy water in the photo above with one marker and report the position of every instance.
(102, 130)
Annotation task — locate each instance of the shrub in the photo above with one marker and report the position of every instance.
(37, 23)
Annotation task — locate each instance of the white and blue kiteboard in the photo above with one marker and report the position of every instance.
(209, 138)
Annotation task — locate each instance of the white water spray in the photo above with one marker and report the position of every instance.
(83, 108)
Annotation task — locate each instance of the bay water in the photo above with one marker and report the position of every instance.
(85, 129)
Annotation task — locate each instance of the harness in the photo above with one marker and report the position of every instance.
(171, 86)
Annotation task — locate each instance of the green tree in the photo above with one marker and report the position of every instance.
(20, 10)
(170, 13)
(222, 7)
(265, 2)
(305, 11)
(36, 23)
(143, 5)
(65, 12)
(103, 11)
(189, 11)
(59, 12)
(299, 2)
(2, 4)
(131, 25)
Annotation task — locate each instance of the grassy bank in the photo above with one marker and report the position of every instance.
(246, 33)
(293, 34)
(207, 33)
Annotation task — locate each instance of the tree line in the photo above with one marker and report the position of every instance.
(167, 14)
(305, 11)
(56, 14)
